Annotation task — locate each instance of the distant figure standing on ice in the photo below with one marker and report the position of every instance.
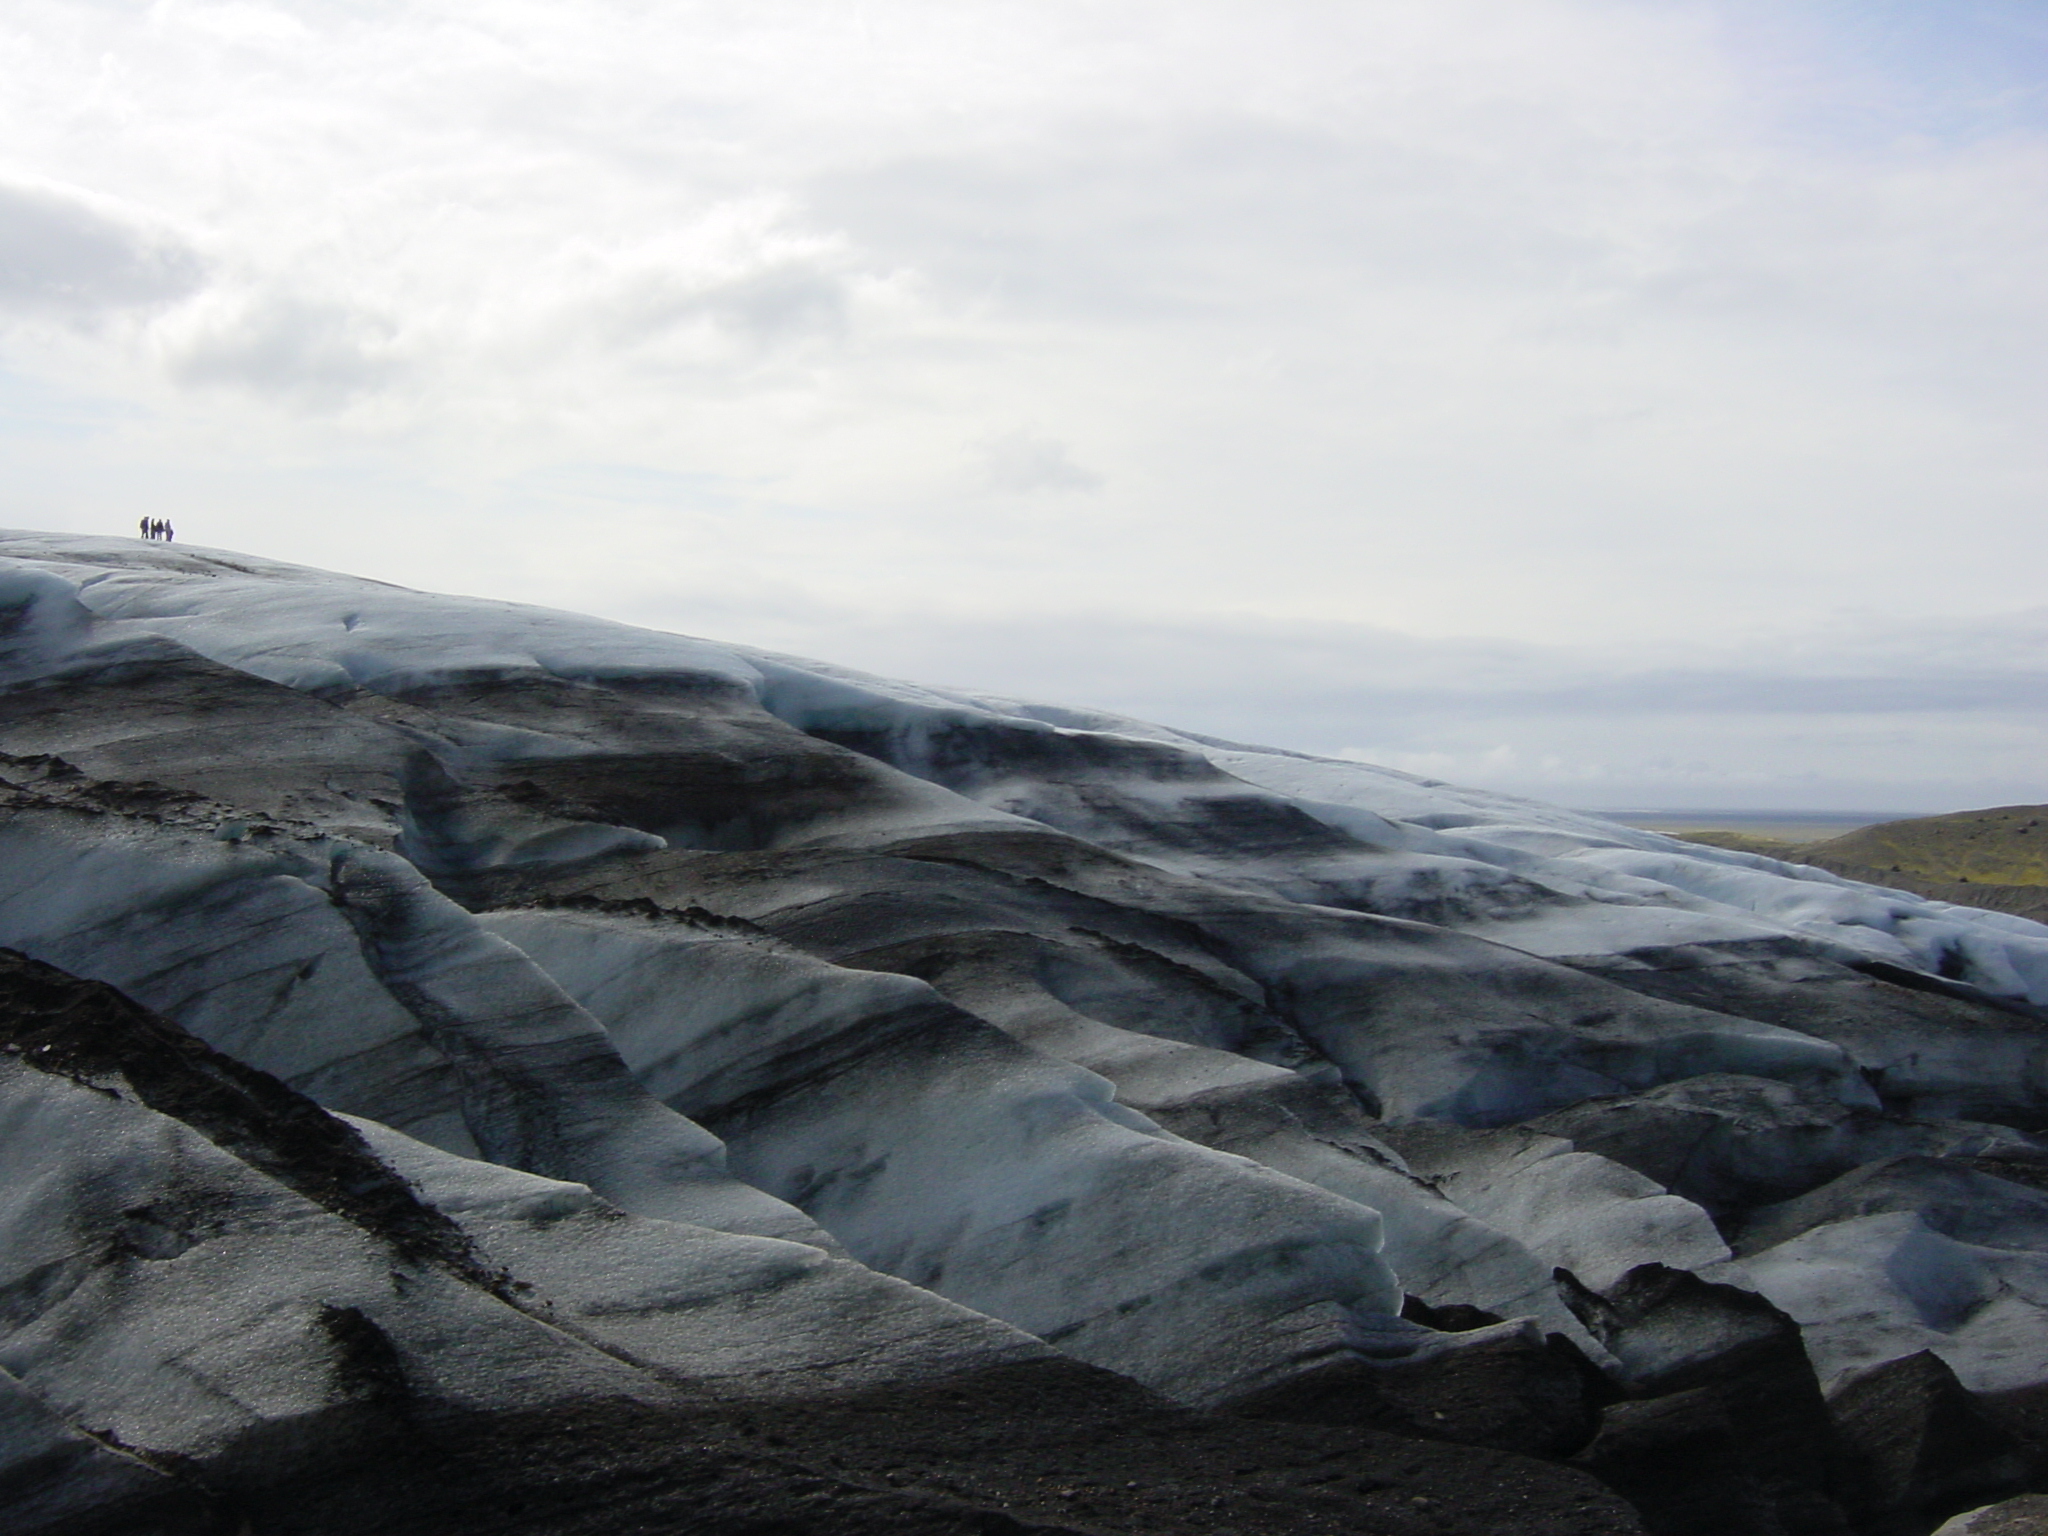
(170, 533)
(144, 526)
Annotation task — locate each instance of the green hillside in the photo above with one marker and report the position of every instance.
(1995, 858)
(2007, 845)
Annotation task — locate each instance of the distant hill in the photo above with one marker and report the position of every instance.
(2007, 845)
(1995, 858)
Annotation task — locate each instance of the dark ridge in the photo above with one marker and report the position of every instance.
(2033, 1175)
(1180, 974)
(1678, 1460)
(501, 887)
(1159, 995)
(524, 792)
(1039, 862)
(32, 1497)
(645, 908)
(1944, 986)
(94, 1035)
(1022, 854)
(44, 781)
(1079, 773)
(367, 1366)
(1725, 1363)
(1453, 1317)
(748, 796)
(963, 754)
(81, 1481)
(1919, 1447)
(1507, 1391)
(1698, 974)
(2023, 1413)
(1050, 1448)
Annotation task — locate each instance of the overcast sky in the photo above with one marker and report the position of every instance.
(1626, 402)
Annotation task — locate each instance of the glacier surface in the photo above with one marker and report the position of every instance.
(747, 1025)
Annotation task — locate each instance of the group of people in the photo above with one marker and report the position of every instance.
(158, 528)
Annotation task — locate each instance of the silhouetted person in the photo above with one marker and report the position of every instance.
(170, 533)
(144, 526)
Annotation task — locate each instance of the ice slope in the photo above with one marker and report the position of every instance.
(1574, 1210)
(195, 1322)
(338, 969)
(938, 1148)
(1189, 1059)
(222, 1308)
(1911, 1253)
(320, 633)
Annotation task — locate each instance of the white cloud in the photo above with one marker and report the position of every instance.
(67, 254)
(1020, 461)
(286, 347)
(1618, 325)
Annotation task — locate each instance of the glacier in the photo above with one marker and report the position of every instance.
(437, 1022)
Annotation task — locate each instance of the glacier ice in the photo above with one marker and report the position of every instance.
(937, 1148)
(890, 1033)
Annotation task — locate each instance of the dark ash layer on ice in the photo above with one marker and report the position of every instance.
(749, 1086)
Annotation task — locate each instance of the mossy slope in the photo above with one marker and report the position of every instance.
(2006, 845)
(1995, 858)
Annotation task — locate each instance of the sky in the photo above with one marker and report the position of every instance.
(1631, 403)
